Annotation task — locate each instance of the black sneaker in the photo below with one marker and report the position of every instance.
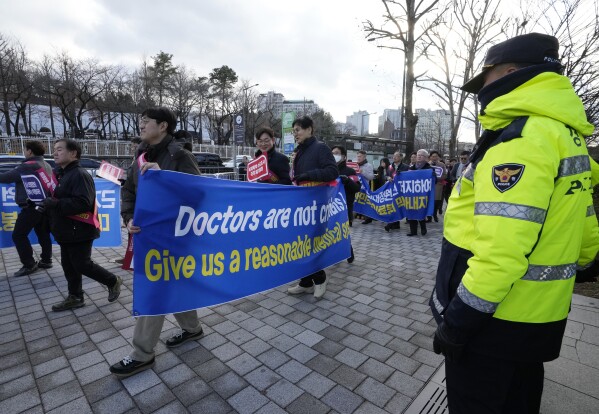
(44, 265)
(182, 337)
(128, 367)
(115, 291)
(367, 221)
(24, 271)
(71, 302)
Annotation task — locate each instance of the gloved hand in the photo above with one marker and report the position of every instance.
(445, 342)
(589, 274)
(344, 179)
(49, 203)
(301, 177)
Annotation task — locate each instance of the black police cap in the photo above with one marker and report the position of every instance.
(532, 48)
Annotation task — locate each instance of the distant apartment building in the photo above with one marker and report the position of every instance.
(433, 129)
(391, 115)
(360, 120)
(277, 104)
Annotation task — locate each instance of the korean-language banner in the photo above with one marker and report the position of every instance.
(410, 195)
(109, 211)
(205, 241)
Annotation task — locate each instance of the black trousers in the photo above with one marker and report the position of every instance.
(313, 279)
(485, 385)
(414, 226)
(31, 219)
(76, 261)
(438, 207)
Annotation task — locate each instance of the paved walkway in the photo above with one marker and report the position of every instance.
(364, 348)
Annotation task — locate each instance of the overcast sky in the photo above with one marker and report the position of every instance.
(313, 49)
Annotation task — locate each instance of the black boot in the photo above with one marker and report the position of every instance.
(413, 227)
(423, 227)
(351, 258)
(387, 227)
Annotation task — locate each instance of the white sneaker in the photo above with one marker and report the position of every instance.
(319, 290)
(297, 289)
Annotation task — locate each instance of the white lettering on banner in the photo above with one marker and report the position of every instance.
(8, 197)
(226, 222)
(415, 186)
(334, 206)
(106, 198)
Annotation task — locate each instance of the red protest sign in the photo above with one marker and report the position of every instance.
(110, 172)
(353, 165)
(257, 168)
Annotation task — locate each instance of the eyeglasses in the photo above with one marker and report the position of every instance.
(144, 120)
(263, 141)
(296, 130)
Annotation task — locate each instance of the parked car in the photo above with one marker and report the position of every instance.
(210, 163)
(239, 159)
(8, 162)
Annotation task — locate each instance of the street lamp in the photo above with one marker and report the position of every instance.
(235, 166)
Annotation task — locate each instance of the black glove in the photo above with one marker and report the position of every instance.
(49, 203)
(445, 342)
(301, 177)
(344, 179)
(589, 274)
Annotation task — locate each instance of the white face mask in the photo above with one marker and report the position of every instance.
(338, 158)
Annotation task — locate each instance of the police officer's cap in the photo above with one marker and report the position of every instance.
(532, 48)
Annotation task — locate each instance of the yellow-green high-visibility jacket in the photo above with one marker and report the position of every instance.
(522, 210)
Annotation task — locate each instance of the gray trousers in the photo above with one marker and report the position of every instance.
(147, 332)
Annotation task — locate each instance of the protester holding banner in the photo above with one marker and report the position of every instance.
(74, 224)
(29, 217)
(396, 167)
(313, 164)
(413, 158)
(278, 164)
(420, 164)
(159, 151)
(441, 173)
(351, 184)
(366, 171)
(383, 173)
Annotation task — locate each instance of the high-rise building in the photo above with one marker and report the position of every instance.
(277, 104)
(433, 129)
(360, 120)
(393, 115)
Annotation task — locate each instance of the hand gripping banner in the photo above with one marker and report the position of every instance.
(205, 241)
(410, 195)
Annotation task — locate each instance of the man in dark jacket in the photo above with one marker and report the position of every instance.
(278, 164)
(397, 166)
(158, 151)
(351, 184)
(313, 164)
(29, 218)
(75, 226)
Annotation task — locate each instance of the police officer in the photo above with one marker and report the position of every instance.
(514, 231)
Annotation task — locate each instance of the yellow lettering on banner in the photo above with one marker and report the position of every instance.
(212, 264)
(159, 266)
(235, 261)
(104, 220)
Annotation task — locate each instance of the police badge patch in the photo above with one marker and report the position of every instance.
(505, 176)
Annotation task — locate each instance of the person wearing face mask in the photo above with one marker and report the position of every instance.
(351, 184)
(278, 164)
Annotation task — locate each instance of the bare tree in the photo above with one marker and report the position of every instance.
(455, 48)
(404, 25)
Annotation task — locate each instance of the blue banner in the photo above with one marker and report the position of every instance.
(410, 195)
(205, 241)
(109, 214)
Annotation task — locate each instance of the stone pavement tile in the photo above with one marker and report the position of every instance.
(306, 403)
(103, 324)
(302, 353)
(212, 403)
(323, 364)
(398, 403)
(102, 388)
(590, 334)
(305, 307)
(283, 342)
(20, 402)
(154, 398)
(357, 329)
(8, 329)
(11, 347)
(240, 315)
(140, 382)
(588, 354)
(55, 379)
(212, 369)
(351, 358)
(376, 369)
(80, 349)
(251, 324)
(262, 378)
(558, 399)
(308, 338)
(342, 400)
(61, 395)
(379, 325)
(195, 357)
(227, 351)
(293, 371)
(213, 319)
(403, 363)
(212, 341)
(50, 366)
(104, 335)
(16, 386)
(191, 391)
(574, 329)
(247, 400)
(375, 392)
(116, 403)
(78, 406)
(291, 328)
(298, 317)
(255, 347)
(35, 324)
(401, 346)
(424, 329)
(328, 347)
(347, 376)
(86, 360)
(573, 375)
(228, 384)
(266, 332)
(67, 330)
(15, 358)
(354, 342)
(274, 320)
(588, 317)
(177, 375)
(225, 327)
(283, 392)
(422, 341)
(271, 408)
(427, 357)
(243, 363)
(315, 325)
(405, 384)
(239, 336)
(73, 340)
(316, 384)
